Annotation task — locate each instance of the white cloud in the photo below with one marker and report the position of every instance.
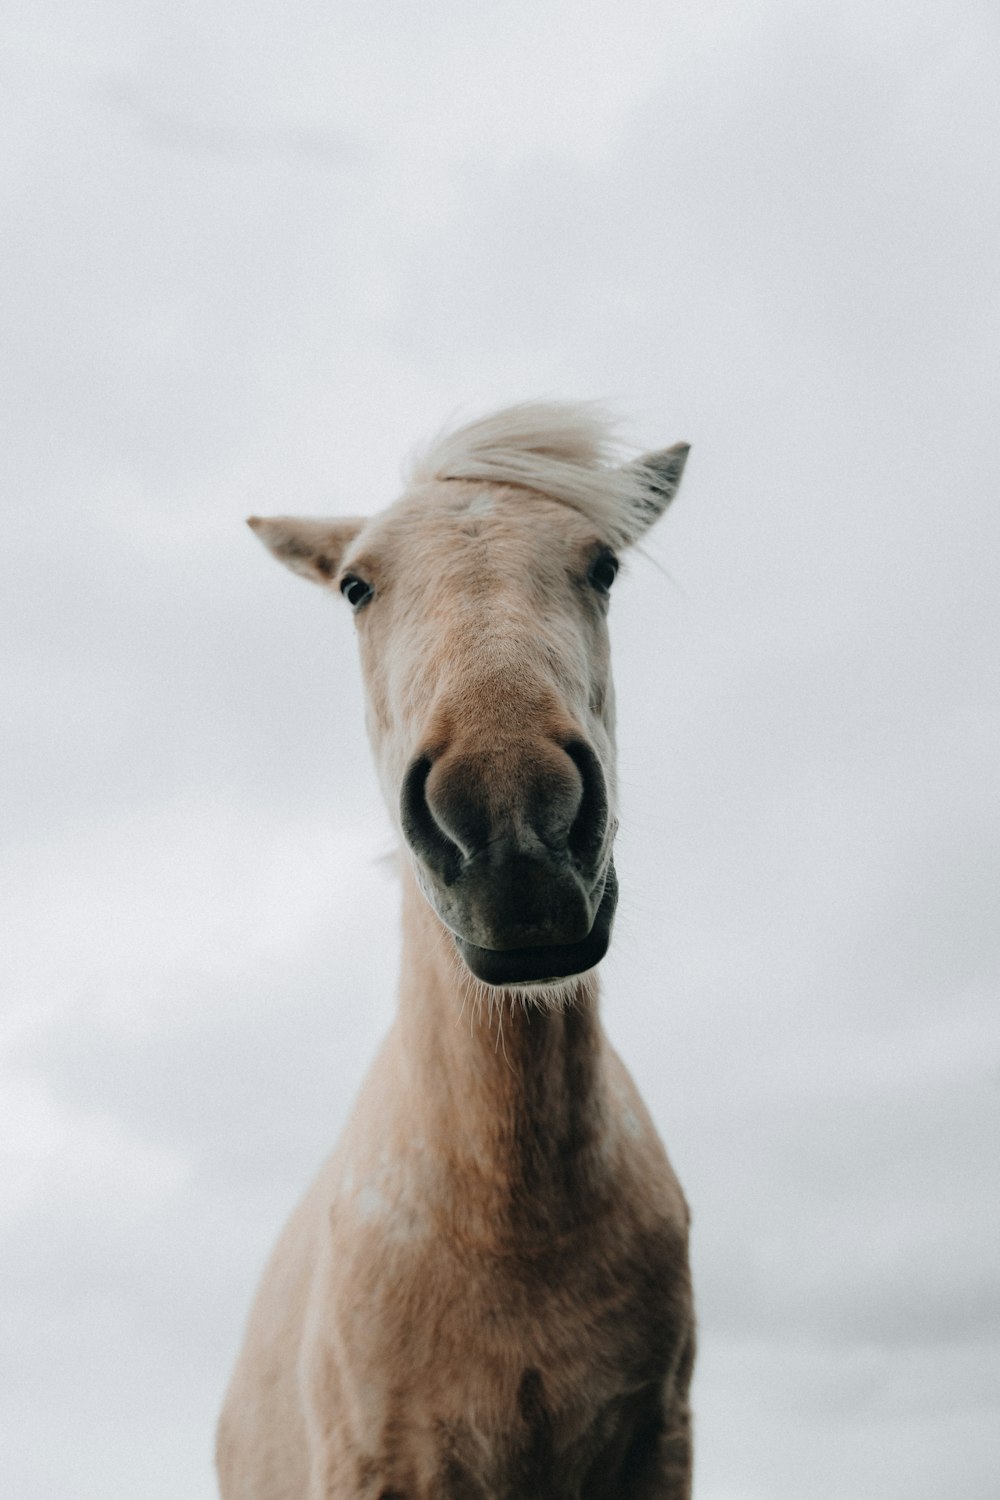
(86, 1162)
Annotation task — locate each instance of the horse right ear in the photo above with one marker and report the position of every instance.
(313, 549)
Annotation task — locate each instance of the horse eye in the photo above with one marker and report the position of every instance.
(604, 572)
(355, 590)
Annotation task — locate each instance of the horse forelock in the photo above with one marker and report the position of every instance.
(566, 451)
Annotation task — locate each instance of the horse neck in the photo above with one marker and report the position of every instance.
(510, 1100)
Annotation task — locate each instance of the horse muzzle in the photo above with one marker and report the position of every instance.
(545, 959)
(517, 866)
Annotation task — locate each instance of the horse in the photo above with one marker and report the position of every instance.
(486, 1293)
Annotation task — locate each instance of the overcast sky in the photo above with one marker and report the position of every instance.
(251, 255)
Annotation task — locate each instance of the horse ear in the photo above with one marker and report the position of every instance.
(660, 473)
(311, 548)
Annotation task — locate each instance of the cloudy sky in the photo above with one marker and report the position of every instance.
(250, 256)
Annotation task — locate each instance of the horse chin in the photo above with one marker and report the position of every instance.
(552, 964)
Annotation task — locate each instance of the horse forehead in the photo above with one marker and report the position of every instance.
(468, 518)
(479, 567)
(481, 504)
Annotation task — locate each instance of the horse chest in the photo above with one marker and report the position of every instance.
(523, 1444)
(458, 1375)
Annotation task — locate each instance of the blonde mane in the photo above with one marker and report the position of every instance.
(567, 451)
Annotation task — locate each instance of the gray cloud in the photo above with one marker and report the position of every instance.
(248, 282)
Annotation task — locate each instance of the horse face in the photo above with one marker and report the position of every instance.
(482, 623)
(481, 604)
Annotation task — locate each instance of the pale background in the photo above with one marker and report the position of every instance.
(251, 255)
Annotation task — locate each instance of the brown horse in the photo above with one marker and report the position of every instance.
(485, 1295)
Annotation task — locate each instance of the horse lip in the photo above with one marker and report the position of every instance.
(555, 961)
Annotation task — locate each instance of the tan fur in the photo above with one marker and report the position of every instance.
(486, 1291)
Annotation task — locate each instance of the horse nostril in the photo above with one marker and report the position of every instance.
(421, 829)
(451, 813)
(586, 836)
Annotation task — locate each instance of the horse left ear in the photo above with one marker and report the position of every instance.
(313, 549)
(660, 476)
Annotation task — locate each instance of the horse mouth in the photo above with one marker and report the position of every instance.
(546, 963)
